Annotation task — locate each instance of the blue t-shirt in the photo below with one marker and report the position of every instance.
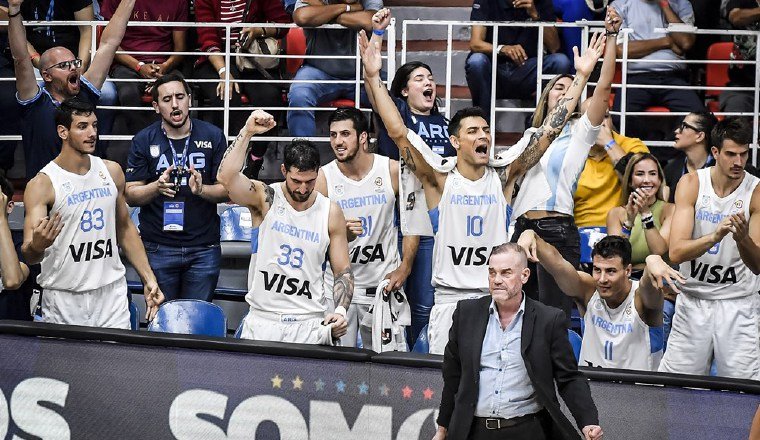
(502, 10)
(433, 129)
(151, 155)
(38, 130)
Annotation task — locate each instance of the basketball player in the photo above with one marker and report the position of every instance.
(295, 227)
(76, 219)
(718, 311)
(622, 317)
(470, 205)
(365, 186)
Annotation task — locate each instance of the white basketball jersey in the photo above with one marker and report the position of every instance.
(290, 248)
(471, 218)
(720, 272)
(85, 256)
(618, 338)
(373, 254)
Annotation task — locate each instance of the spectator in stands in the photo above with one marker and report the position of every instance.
(643, 17)
(15, 291)
(355, 175)
(62, 74)
(414, 92)
(76, 221)
(598, 189)
(743, 15)
(212, 40)
(562, 163)
(644, 218)
(353, 14)
(716, 244)
(77, 39)
(9, 107)
(146, 39)
(293, 226)
(610, 300)
(171, 175)
(571, 11)
(517, 58)
(693, 140)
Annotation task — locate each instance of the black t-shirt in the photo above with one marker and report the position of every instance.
(433, 129)
(14, 304)
(45, 37)
(746, 45)
(502, 10)
(150, 155)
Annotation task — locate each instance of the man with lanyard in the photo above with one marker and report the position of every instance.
(178, 193)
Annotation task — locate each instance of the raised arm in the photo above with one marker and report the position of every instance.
(109, 43)
(40, 231)
(558, 117)
(85, 35)
(250, 193)
(578, 285)
(649, 298)
(12, 272)
(682, 246)
(601, 97)
(130, 242)
(26, 84)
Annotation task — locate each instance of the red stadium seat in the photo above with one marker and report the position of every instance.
(716, 75)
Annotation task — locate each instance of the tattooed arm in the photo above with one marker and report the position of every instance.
(558, 117)
(343, 289)
(250, 193)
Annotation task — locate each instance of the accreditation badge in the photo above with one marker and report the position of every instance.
(174, 216)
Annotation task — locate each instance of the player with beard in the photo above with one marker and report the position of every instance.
(717, 245)
(469, 206)
(171, 175)
(76, 219)
(365, 186)
(61, 72)
(295, 230)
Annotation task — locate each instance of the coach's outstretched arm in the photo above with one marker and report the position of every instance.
(129, 240)
(109, 43)
(254, 195)
(580, 286)
(386, 108)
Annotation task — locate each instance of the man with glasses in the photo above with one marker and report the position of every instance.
(62, 74)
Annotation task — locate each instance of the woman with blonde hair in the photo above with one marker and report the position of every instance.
(644, 217)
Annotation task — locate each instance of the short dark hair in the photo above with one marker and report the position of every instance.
(736, 129)
(65, 112)
(169, 77)
(467, 112)
(613, 246)
(7, 187)
(352, 114)
(302, 155)
(402, 77)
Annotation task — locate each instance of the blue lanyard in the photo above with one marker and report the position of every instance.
(180, 165)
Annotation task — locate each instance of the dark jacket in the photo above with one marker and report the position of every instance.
(548, 358)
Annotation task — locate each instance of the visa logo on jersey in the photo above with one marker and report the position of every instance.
(712, 274)
(469, 256)
(279, 283)
(91, 250)
(367, 254)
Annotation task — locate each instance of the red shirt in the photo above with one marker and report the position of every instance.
(150, 38)
(210, 11)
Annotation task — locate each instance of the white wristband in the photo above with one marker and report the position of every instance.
(221, 70)
(341, 311)
(348, 7)
(499, 48)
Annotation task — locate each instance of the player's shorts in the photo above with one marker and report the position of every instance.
(727, 330)
(441, 318)
(106, 307)
(298, 328)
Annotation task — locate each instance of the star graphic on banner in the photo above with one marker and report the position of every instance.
(363, 388)
(319, 385)
(406, 392)
(427, 393)
(297, 383)
(384, 390)
(341, 386)
(276, 381)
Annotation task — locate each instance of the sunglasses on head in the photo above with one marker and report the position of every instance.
(66, 65)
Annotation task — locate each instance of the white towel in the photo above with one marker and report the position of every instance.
(387, 317)
(414, 210)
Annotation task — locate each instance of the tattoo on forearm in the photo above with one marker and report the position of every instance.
(410, 160)
(269, 194)
(343, 288)
(229, 150)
